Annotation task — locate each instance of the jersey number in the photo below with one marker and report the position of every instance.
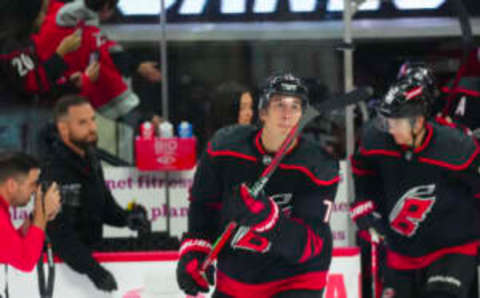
(24, 64)
(412, 209)
(328, 213)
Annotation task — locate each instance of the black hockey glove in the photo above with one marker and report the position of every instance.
(102, 278)
(192, 254)
(137, 219)
(261, 213)
(366, 219)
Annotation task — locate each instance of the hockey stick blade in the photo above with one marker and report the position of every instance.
(310, 113)
(341, 101)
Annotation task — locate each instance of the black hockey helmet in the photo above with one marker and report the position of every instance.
(406, 98)
(419, 71)
(283, 84)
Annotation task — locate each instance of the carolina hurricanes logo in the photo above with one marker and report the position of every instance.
(412, 209)
(246, 239)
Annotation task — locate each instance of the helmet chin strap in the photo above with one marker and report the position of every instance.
(409, 153)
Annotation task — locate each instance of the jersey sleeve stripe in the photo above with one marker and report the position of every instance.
(364, 151)
(307, 172)
(462, 90)
(215, 153)
(449, 165)
(361, 172)
(314, 243)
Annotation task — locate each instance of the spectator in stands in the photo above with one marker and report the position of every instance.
(19, 173)
(23, 74)
(20, 71)
(88, 204)
(233, 103)
(111, 95)
(244, 108)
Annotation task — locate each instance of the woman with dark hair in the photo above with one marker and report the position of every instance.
(244, 108)
(233, 103)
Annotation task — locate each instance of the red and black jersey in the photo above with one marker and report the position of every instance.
(465, 102)
(23, 74)
(426, 197)
(110, 94)
(304, 186)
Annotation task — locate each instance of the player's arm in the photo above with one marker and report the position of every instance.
(205, 200)
(470, 176)
(296, 238)
(304, 235)
(367, 193)
(203, 224)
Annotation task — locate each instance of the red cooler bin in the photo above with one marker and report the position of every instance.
(165, 154)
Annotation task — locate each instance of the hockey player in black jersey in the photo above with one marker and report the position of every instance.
(423, 74)
(423, 180)
(287, 251)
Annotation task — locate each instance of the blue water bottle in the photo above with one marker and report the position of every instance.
(184, 130)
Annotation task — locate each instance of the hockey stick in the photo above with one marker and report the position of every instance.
(374, 242)
(309, 114)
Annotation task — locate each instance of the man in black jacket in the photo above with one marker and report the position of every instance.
(87, 203)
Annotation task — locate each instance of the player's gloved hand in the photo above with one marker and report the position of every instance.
(261, 213)
(193, 253)
(372, 223)
(366, 219)
(137, 218)
(102, 278)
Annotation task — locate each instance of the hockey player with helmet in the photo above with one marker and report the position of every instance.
(287, 251)
(423, 179)
(422, 74)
